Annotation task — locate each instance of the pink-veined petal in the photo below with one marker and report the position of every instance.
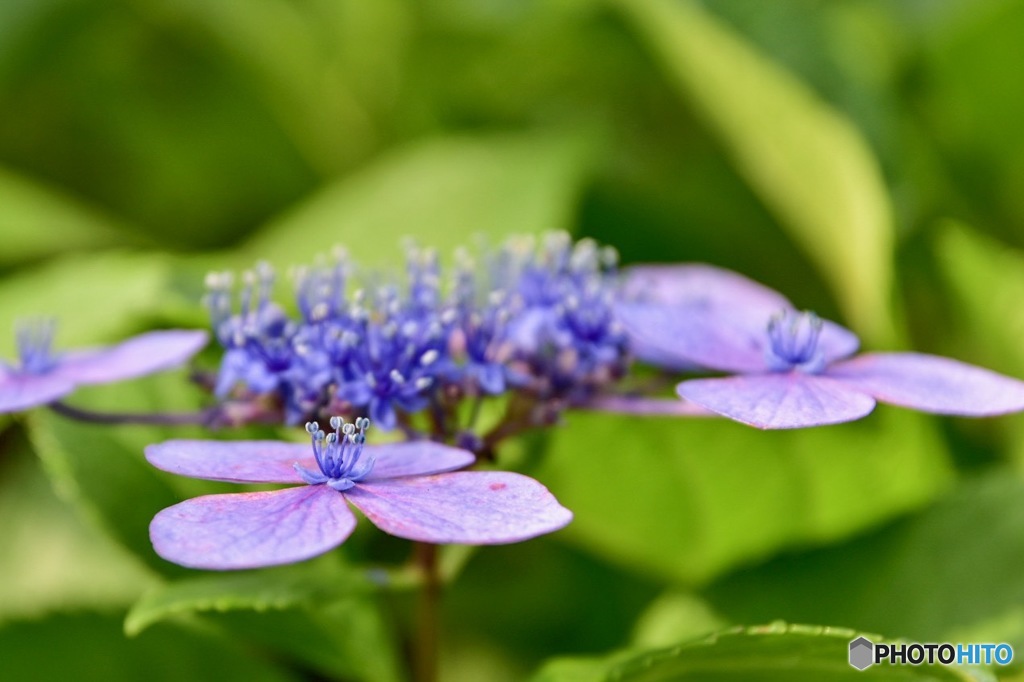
(466, 507)
(239, 461)
(645, 406)
(932, 383)
(779, 401)
(696, 315)
(414, 458)
(727, 339)
(140, 355)
(22, 391)
(698, 285)
(250, 530)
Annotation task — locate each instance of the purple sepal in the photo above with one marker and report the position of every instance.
(239, 461)
(932, 384)
(415, 458)
(22, 391)
(250, 530)
(138, 356)
(779, 401)
(728, 339)
(469, 507)
(259, 461)
(698, 285)
(658, 302)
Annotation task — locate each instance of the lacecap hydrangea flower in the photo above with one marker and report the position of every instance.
(535, 318)
(790, 369)
(406, 489)
(42, 375)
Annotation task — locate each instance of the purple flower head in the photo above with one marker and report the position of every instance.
(258, 338)
(481, 309)
(42, 376)
(406, 489)
(266, 352)
(793, 369)
(392, 363)
(373, 352)
(320, 289)
(568, 342)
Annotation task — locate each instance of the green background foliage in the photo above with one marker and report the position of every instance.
(864, 157)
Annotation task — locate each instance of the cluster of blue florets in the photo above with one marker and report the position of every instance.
(535, 318)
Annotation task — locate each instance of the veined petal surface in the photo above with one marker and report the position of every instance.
(726, 339)
(239, 461)
(932, 383)
(698, 285)
(250, 530)
(415, 458)
(787, 400)
(138, 356)
(22, 391)
(468, 507)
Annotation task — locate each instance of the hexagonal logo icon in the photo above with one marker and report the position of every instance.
(861, 653)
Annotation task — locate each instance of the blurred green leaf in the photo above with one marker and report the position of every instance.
(675, 616)
(49, 559)
(539, 599)
(101, 469)
(442, 191)
(971, 112)
(267, 590)
(986, 280)
(328, 70)
(319, 612)
(93, 297)
(948, 573)
(347, 638)
(143, 116)
(776, 652)
(38, 221)
(88, 647)
(805, 160)
(689, 498)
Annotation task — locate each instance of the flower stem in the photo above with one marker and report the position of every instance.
(426, 643)
(202, 418)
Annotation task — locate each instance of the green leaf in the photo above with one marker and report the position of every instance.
(688, 499)
(673, 617)
(266, 590)
(37, 221)
(971, 114)
(949, 573)
(49, 559)
(327, 71)
(101, 470)
(94, 297)
(87, 647)
(444, 190)
(319, 612)
(775, 653)
(347, 638)
(805, 160)
(986, 280)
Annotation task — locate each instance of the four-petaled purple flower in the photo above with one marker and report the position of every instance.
(406, 489)
(791, 369)
(42, 376)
